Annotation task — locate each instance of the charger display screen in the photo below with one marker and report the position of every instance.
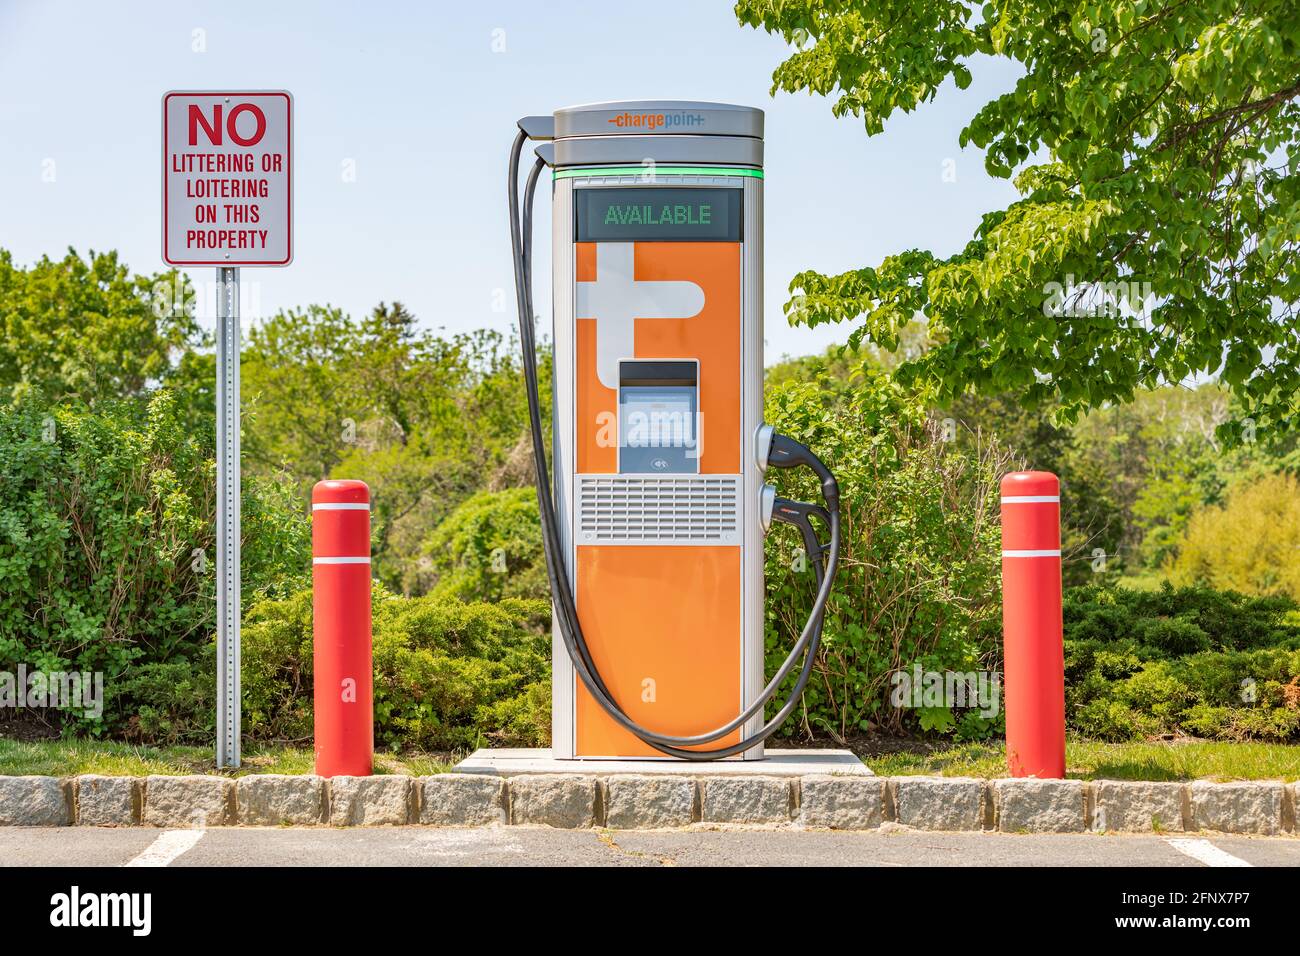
(634, 213)
(658, 417)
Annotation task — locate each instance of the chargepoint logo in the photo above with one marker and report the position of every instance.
(654, 121)
(75, 909)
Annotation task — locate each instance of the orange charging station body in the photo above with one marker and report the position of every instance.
(658, 343)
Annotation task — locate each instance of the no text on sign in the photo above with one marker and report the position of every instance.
(228, 178)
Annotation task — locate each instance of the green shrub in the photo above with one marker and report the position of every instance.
(171, 702)
(522, 720)
(1181, 661)
(1111, 720)
(489, 548)
(1173, 621)
(1158, 689)
(1242, 723)
(107, 554)
(448, 674)
(920, 561)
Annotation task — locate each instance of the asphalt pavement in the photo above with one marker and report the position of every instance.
(519, 846)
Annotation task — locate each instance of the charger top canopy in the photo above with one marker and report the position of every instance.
(657, 133)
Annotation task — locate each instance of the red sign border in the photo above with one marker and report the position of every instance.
(220, 263)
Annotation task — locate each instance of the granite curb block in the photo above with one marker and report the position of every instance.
(1251, 807)
(1027, 805)
(35, 802)
(108, 801)
(1137, 806)
(939, 803)
(652, 801)
(747, 799)
(561, 800)
(636, 802)
(461, 800)
(188, 802)
(274, 800)
(841, 803)
(388, 800)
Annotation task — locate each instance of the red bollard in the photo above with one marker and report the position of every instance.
(344, 673)
(1034, 668)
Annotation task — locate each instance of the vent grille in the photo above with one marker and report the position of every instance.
(636, 509)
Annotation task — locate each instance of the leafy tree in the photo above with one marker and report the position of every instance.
(1154, 148)
(1250, 544)
(192, 383)
(293, 392)
(1091, 515)
(1159, 460)
(1131, 475)
(86, 329)
(425, 420)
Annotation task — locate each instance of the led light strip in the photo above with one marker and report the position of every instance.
(651, 171)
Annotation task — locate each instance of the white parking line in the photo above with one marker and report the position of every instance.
(169, 845)
(1207, 853)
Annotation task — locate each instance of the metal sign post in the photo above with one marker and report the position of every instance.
(228, 508)
(227, 201)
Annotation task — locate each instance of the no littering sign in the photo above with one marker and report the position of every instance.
(227, 178)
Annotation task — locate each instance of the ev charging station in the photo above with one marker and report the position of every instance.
(653, 524)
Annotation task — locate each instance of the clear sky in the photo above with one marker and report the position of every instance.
(421, 101)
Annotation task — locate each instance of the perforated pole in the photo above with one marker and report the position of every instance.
(228, 503)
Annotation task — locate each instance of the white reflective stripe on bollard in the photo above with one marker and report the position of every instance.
(340, 506)
(1030, 499)
(340, 560)
(1046, 553)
